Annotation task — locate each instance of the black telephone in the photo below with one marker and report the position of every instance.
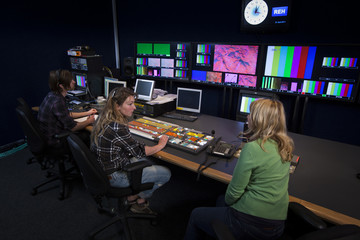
(221, 148)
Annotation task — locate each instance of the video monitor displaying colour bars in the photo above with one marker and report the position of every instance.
(245, 103)
(80, 80)
(290, 61)
(168, 60)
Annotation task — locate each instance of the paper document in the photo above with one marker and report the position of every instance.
(163, 99)
(84, 118)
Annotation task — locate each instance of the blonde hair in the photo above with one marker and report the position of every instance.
(110, 113)
(267, 121)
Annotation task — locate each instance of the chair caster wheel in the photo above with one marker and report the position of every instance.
(33, 192)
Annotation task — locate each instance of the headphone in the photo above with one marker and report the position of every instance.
(57, 76)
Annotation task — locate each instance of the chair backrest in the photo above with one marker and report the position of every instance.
(35, 138)
(95, 179)
(23, 103)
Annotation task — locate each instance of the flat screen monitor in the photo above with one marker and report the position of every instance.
(110, 84)
(323, 71)
(245, 99)
(225, 64)
(80, 80)
(144, 89)
(188, 99)
(163, 60)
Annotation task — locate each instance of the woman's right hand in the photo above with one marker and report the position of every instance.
(163, 140)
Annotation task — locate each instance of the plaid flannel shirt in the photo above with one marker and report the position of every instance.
(54, 117)
(116, 146)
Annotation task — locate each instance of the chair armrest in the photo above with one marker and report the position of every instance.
(62, 135)
(307, 215)
(134, 172)
(136, 166)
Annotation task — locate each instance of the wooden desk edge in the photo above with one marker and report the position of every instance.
(324, 213)
(193, 166)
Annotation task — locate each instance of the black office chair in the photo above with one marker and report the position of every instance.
(47, 156)
(301, 224)
(21, 102)
(98, 185)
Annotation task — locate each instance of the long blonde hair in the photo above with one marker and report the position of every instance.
(267, 121)
(110, 113)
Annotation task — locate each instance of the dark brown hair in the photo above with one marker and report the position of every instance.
(57, 77)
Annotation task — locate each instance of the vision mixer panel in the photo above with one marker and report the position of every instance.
(189, 140)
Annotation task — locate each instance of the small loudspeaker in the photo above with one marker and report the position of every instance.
(129, 67)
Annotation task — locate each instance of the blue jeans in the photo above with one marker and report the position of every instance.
(159, 175)
(201, 219)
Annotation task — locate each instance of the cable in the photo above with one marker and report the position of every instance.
(108, 70)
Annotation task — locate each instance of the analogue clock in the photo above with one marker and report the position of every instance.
(255, 12)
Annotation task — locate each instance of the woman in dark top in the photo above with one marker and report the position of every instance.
(54, 116)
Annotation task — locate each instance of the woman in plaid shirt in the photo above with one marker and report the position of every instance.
(115, 148)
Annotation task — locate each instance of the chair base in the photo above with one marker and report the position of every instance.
(122, 218)
(63, 176)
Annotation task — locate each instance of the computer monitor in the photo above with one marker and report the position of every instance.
(232, 64)
(144, 89)
(245, 99)
(163, 60)
(322, 71)
(188, 99)
(110, 84)
(81, 81)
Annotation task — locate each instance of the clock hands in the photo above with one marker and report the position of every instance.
(256, 10)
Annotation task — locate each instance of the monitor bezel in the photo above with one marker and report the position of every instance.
(107, 81)
(75, 74)
(333, 49)
(175, 68)
(186, 108)
(141, 96)
(209, 68)
(242, 116)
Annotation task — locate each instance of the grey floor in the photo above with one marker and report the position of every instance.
(44, 217)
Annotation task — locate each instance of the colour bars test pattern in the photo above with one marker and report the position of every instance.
(290, 61)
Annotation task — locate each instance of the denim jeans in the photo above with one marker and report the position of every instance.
(159, 175)
(201, 219)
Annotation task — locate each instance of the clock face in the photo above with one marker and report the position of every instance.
(255, 12)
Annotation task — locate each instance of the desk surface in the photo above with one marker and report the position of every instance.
(325, 178)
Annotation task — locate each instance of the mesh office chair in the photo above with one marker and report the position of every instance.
(301, 224)
(98, 185)
(44, 153)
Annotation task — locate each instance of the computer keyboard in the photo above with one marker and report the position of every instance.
(179, 116)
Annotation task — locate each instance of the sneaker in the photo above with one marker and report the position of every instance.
(142, 208)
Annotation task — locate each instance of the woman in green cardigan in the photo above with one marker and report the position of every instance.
(256, 199)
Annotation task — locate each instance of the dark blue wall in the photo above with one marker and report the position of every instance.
(35, 38)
